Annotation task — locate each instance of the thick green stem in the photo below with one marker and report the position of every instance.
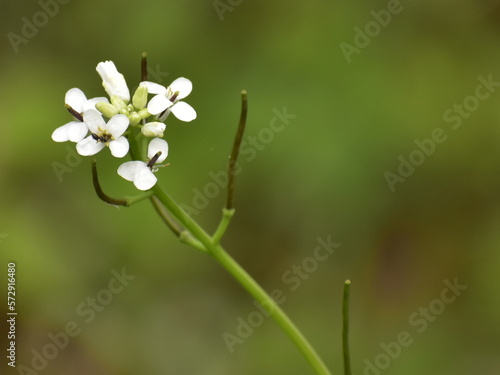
(272, 308)
(217, 252)
(183, 234)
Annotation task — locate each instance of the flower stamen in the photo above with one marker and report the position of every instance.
(153, 160)
(104, 137)
(174, 96)
(74, 113)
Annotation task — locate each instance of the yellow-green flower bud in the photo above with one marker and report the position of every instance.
(106, 109)
(134, 118)
(118, 103)
(143, 113)
(140, 97)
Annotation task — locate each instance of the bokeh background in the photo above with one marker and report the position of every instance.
(323, 175)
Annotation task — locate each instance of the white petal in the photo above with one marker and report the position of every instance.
(77, 131)
(144, 179)
(117, 125)
(89, 146)
(154, 88)
(75, 98)
(130, 169)
(158, 104)
(61, 134)
(183, 111)
(183, 85)
(153, 129)
(119, 147)
(158, 144)
(113, 81)
(90, 104)
(94, 121)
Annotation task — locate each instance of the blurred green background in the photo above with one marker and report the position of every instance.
(322, 176)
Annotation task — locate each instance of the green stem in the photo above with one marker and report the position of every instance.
(272, 307)
(160, 210)
(224, 223)
(218, 253)
(233, 158)
(127, 201)
(183, 235)
(345, 328)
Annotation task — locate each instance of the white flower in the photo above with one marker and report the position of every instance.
(113, 81)
(141, 173)
(104, 134)
(75, 131)
(168, 100)
(77, 100)
(153, 129)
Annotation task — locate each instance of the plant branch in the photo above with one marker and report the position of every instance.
(246, 281)
(160, 210)
(181, 233)
(236, 150)
(100, 193)
(224, 223)
(127, 201)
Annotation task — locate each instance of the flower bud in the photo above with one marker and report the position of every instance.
(113, 81)
(134, 118)
(143, 113)
(153, 129)
(118, 103)
(108, 110)
(140, 97)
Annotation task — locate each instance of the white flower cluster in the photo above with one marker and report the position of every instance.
(122, 115)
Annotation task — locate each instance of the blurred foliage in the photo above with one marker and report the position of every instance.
(323, 175)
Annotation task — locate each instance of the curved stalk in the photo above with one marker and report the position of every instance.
(127, 201)
(233, 158)
(224, 223)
